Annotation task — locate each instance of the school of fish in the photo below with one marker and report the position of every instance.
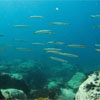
(51, 50)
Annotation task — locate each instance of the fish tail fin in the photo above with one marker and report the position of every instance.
(50, 57)
(13, 26)
(51, 23)
(68, 24)
(44, 49)
(96, 50)
(67, 46)
(34, 32)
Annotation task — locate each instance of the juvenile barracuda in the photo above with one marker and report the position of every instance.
(6, 45)
(97, 50)
(20, 40)
(1, 35)
(98, 26)
(58, 59)
(23, 49)
(77, 46)
(54, 42)
(60, 23)
(3, 49)
(20, 26)
(44, 32)
(37, 43)
(95, 16)
(36, 17)
(52, 49)
(97, 45)
(63, 54)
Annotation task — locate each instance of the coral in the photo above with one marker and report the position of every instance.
(90, 88)
(66, 94)
(43, 98)
(4, 68)
(52, 93)
(10, 81)
(76, 80)
(17, 76)
(65, 71)
(52, 84)
(13, 94)
(25, 66)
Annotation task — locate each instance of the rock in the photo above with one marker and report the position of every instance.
(10, 81)
(64, 70)
(90, 88)
(52, 93)
(25, 66)
(41, 98)
(17, 61)
(66, 94)
(17, 76)
(4, 68)
(13, 94)
(52, 84)
(76, 80)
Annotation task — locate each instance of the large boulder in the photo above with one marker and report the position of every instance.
(13, 81)
(90, 88)
(13, 94)
(25, 67)
(76, 80)
(65, 71)
(66, 94)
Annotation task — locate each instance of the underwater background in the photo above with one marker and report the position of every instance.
(34, 63)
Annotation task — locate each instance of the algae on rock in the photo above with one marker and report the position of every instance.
(76, 80)
(10, 81)
(66, 94)
(90, 88)
(13, 94)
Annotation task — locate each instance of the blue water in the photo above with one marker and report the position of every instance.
(81, 30)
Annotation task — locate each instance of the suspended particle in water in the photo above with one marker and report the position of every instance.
(57, 9)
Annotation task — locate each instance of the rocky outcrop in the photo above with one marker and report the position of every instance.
(13, 81)
(76, 80)
(90, 88)
(66, 94)
(13, 94)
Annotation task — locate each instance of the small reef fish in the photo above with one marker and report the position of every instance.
(3, 49)
(60, 23)
(37, 43)
(95, 16)
(97, 45)
(77, 46)
(63, 54)
(52, 49)
(54, 42)
(20, 40)
(23, 49)
(20, 26)
(98, 26)
(1, 35)
(44, 32)
(58, 59)
(36, 17)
